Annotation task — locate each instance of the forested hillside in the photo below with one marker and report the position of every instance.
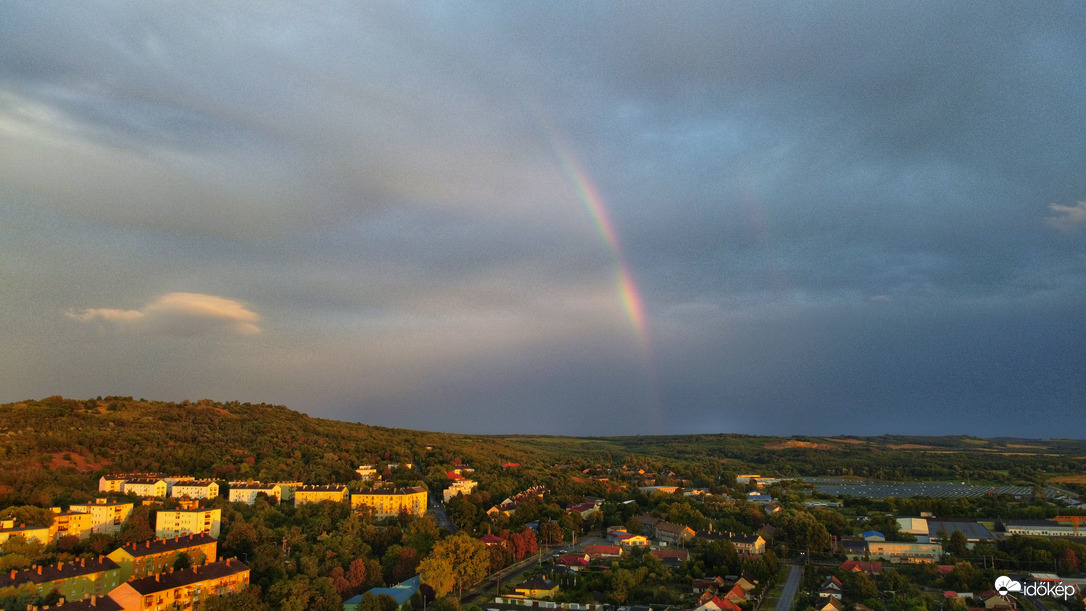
(54, 450)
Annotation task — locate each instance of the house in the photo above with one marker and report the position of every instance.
(107, 516)
(195, 489)
(8, 529)
(188, 521)
(247, 492)
(401, 593)
(699, 586)
(831, 588)
(717, 604)
(994, 600)
(626, 540)
(673, 534)
(573, 561)
(72, 580)
(736, 594)
(596, 552)
(337, 493)
(671, 557)
(151, 487)
(366, 472)
(389, 502)
(142, 559)
(747, 582)
(182, 589)
(830, 604)
(859, 566)
(747, 544)
(648, 524)
(537, 587)
(585, 509)
(73, 523)
(490, 540)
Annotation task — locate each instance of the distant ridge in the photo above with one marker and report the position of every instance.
(54, 446)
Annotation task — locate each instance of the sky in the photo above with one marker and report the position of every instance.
(576, 218)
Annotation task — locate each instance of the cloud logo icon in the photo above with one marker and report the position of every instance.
(1005, 584)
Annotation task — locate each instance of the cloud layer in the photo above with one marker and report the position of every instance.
(182, 314)
(841, 218)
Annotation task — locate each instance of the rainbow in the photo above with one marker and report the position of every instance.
(593, 202)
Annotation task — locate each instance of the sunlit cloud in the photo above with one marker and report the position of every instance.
(180, 314)
(1067, 218)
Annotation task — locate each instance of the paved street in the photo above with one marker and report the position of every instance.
(795, 574)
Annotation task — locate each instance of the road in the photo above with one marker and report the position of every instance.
(791, 586)
(488, 586)
(443, 520)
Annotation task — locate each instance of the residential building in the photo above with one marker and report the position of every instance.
(72, 580)
(458, 487)
(673, 534)
(142, 559)
(195, 489)
(747, 544)
(597, 552)
(107, 516)
(389, 502)
(337, 493)
(153, 487)
(860, 566)
(671, 557)
(92, 603)
(625, 539)
(73, 523)
(111, 483)
(537, 587)
(715, 603)
(574, 561)
(190, 520)
(246, 492)
(366, 472)
(831, 588)
(648, 523)
(286, 490)
(585, 509)
(736, 594)
(9, 529)
(184, 589)
(491, 540)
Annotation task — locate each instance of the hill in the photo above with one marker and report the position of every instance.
(55, 448)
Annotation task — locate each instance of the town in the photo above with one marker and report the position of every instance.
(429, 528)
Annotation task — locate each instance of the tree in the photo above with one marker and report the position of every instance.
(182, 562)
(958, 544)
(437, 572)
(246, 600)
(461, 559)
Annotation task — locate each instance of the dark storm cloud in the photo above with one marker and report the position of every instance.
(849, 218)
